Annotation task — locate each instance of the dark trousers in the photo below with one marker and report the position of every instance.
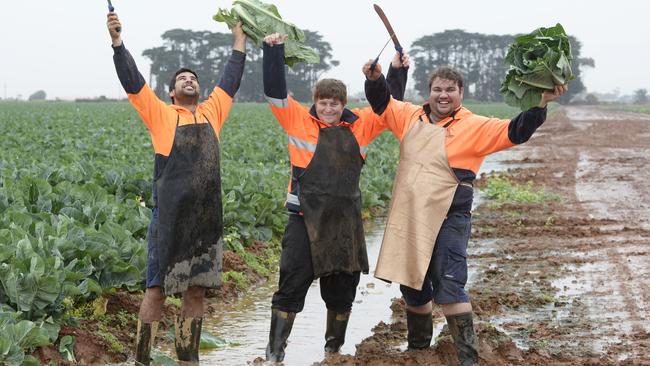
(297, 274)
(447, 274)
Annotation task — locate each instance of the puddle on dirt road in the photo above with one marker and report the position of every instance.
(245, 325)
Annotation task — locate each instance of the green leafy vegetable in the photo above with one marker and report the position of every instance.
(538, 61)
(259, 20)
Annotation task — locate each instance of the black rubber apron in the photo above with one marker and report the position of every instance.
(190, 220)
(330, 200)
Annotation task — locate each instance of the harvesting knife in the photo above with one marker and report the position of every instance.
(391, 32)
(112, 9)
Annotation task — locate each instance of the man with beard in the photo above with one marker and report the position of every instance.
(184, 237)
(425, 243)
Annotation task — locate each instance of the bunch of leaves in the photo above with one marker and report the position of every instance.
(17, 335)
(538, 62)
(259, 20)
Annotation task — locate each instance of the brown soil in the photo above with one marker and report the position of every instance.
(559, 283)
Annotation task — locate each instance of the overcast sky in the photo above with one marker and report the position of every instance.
(63, 46)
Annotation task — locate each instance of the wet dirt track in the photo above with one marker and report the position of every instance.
(559, 283)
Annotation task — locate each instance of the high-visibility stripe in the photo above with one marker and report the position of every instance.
(280, 103)
(293, 199)
(363, 150)
(301, 144)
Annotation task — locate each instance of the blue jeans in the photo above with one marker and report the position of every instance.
(447, 274)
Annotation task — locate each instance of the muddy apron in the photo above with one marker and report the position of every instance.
(190, 220)
(422, 194)
(330, 200)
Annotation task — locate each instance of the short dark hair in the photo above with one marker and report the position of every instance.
(447, 73)
(172, 82)
(331, 88)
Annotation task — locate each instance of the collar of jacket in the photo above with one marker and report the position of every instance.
(347, 117)
(458, 114)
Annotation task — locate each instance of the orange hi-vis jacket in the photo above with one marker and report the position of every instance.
(161, 119)
(302, 128)
(302, 124)
(470, 138)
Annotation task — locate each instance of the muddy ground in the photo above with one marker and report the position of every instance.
(561, 283)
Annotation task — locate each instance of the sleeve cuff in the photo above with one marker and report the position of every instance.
(237, 56)
(118, 49)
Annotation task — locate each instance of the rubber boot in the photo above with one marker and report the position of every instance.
(145, 336)
(188, 339)
(461, 328)
(337, 323)
(281, 324)
(420, 330)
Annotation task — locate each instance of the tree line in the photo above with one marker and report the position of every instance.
(480, 57)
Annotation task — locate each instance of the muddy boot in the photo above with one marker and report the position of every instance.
(420, 330)
(461, 328)
(335, 332)
(188, 339)
(144, 339)
(281, 323)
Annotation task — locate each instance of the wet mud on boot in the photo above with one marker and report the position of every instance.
(188, 339)
(420, 330)
(461, 327)
(337, 323)
(281, 324)
(145, 336)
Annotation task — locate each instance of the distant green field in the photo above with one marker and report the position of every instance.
(637, 108)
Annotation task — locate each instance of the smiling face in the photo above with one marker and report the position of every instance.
(329, 110)
(330, 98)
(444, 98)
(186, 88)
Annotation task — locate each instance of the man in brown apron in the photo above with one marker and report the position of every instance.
(184, 237)
(324, 236)
(425, 243)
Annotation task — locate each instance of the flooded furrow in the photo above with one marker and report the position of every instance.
(245, 325)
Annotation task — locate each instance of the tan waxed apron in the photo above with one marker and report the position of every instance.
(422, 194)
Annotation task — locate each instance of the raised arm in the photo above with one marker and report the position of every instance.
(220, 100)
(275, 82)
(498, 135)
(380, 89)
(284, 108)
(232, 73)
(143, 99)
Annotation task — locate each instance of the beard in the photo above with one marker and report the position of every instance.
(187, 97)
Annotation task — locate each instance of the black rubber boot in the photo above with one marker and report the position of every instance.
(420, 330)
(281, 324)
(188, 339)
(461, 328)
(144, 338)
(337, 323)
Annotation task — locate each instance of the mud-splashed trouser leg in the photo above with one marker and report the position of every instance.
(188, 338)
(337, 323)
(281, 324)
(461, 328)
(144, 339)
(420, 330)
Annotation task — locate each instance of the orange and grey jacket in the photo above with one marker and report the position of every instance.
(161, 118)
(302, 124)
(470, 137)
